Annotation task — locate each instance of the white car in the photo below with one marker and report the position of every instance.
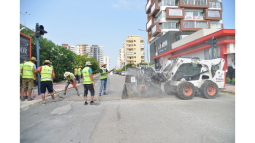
(123, 73)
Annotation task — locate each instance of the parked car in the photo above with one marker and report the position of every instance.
(123, 73)
(120, 72)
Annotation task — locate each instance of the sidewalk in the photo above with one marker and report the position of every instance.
(230, 88)
(58, 87)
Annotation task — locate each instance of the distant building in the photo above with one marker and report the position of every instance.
(64, 45)
(95, 51)
(81, 49)
(107, 62)
(133, 48)
(73, 49)
(118, 63)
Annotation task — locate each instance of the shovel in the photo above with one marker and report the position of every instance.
(96, 96)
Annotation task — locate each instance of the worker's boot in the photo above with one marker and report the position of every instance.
(22, 98)
(29, 99)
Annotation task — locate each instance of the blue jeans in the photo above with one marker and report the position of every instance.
(79, 78)
(103, 84)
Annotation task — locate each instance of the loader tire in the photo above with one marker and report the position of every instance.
(167, 88)
(186, 90)
(210, 90)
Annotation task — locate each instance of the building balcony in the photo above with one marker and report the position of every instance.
(132, 59)
(194, 4)
(148, 6)
(149, 24)
(155, 30)
(129, 45)
(194, 25)
(129, 53)
(142, 53)
(215, 5)
(175, 13)
(213, 14)
(154, 8)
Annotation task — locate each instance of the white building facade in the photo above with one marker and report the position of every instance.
(106, 60)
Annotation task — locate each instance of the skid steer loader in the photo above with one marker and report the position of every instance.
(183, 76)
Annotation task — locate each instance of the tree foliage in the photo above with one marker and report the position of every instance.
(144, 64)
(62, 59)
(127, 66)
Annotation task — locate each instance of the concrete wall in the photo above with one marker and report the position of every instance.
(199, 34)
(199, 54)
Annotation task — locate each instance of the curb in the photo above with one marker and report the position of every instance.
(228, 91)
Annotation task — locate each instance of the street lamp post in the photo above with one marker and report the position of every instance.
(24, 17)
(147, 48)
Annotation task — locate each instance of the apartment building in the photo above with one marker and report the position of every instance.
(107, 62)
(95, 51)
(81, 49)
(118, 63)
(172, 20)
(121, 57)
(134, 50)
(73, 49)
(64, 45)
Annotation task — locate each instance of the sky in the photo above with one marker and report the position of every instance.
(97, 22)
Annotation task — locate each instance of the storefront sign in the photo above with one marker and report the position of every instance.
(24, 49)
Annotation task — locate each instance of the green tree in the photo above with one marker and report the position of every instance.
(62, 59)
(144, 64)
(127, 66)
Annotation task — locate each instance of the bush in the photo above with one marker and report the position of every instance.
(233, 81)
(228, 81)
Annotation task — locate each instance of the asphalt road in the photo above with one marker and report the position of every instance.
(116, 120)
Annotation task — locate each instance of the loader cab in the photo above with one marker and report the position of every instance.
(187, 70)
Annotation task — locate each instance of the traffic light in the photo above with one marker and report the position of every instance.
(40, 31)
(37, 31)
(214, 42)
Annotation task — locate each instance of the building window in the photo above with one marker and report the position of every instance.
(134, 53)
(213, 13)
(134, 48)
(216, 25)
(167, 3)
(180, 37)
(195, 24)
(194, 15)
(164, 43)
(134, 40)
(134, 56)
(175, 12)
(161, 14)
(194, 2)
(169, 25)
(134, 44)
(214, 5)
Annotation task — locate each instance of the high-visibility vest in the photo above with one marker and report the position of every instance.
(103, 76)
(70, 78)
(86, 76)
(79, 71)
(28, 70)
(46, 73)
(20, 66)
(52, 69)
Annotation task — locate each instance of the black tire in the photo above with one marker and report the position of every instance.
(186, 90)
(210, 90)
(167, 88)
(202, 87)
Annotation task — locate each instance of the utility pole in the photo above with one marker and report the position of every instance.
(24, 17)
(39, 30)
(38, 57)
